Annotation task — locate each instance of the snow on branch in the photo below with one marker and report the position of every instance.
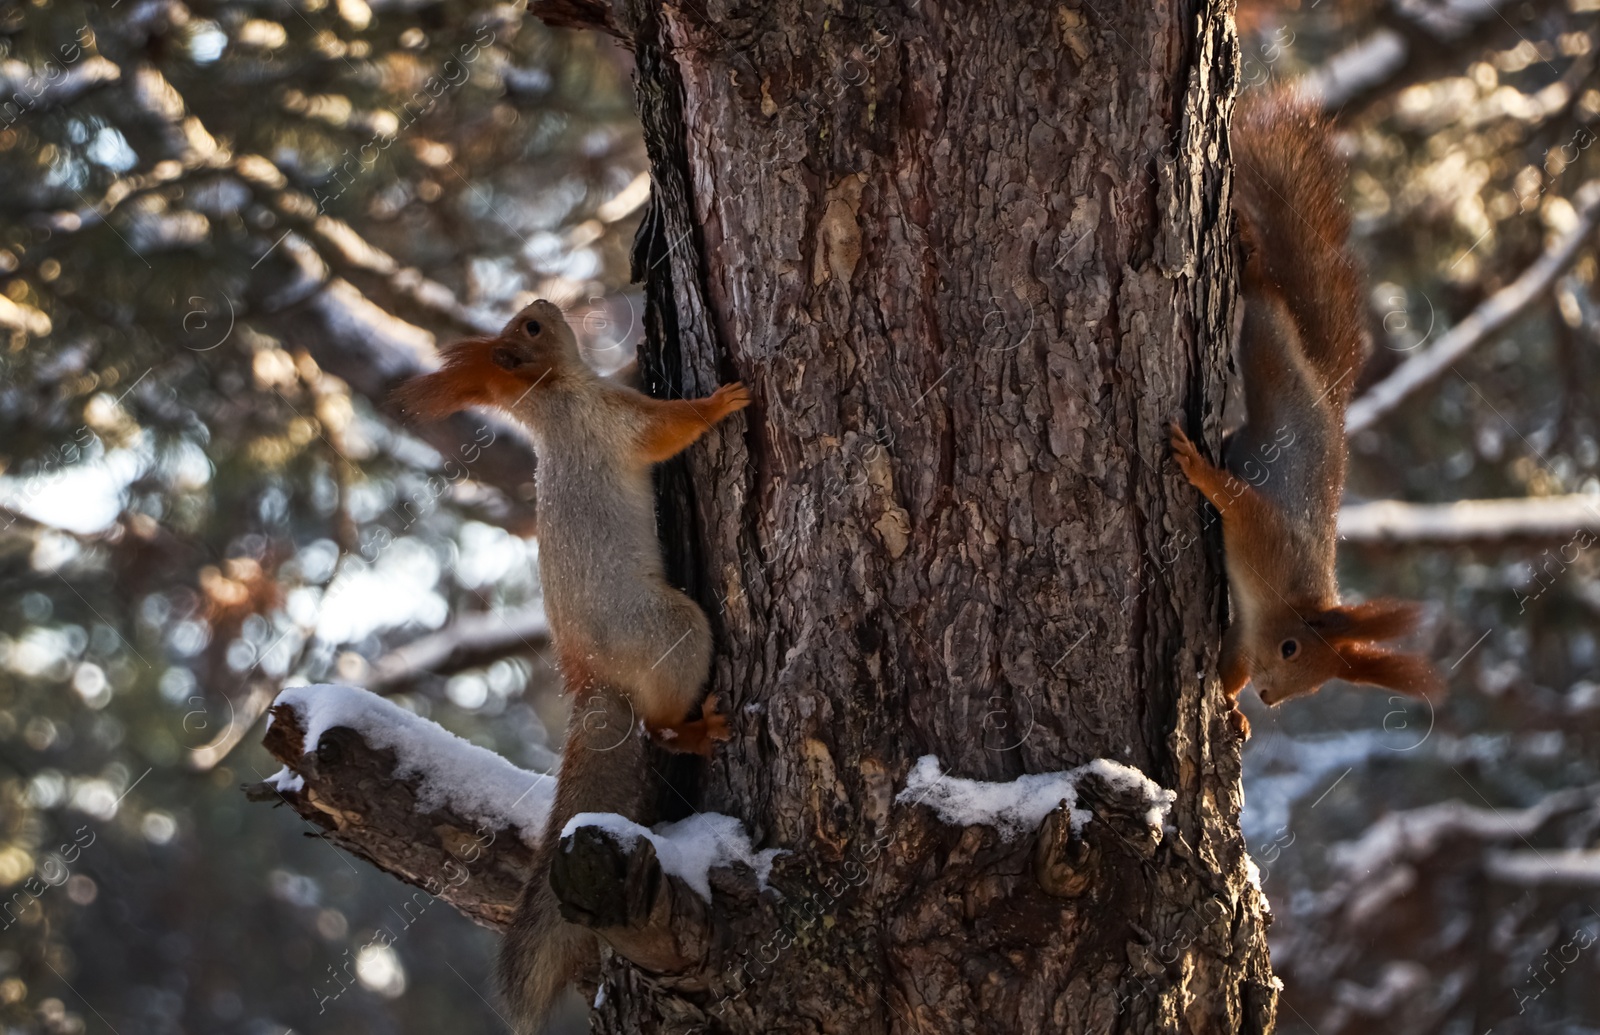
(1517, 846)
(688, 849)
(449, 772)
(1495, 312)
(1365, 65)
(1017, 808)
(1548, 517)
(648, 893)
(1070, 856)
(372, 350)
(463, 823)
(1406, 836)
(1532, 866)
(408, 796)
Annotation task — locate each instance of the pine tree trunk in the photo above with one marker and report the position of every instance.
(970, 260)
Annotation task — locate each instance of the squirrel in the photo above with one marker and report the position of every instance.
(629, 645)
(1302, 343)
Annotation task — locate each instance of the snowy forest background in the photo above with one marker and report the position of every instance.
(227, 229)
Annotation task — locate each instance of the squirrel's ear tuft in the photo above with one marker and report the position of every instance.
(1354, 631)
(1408, 673)
(463, 380)
(420, 398)
(1382, 619)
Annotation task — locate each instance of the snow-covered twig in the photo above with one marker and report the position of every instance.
(408, 796)
(1391, 521)
(1493, 314)
(463, 823)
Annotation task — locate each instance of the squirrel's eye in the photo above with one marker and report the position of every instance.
(1288, 649)
(532, 327)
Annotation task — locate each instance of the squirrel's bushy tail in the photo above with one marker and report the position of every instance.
(1299, 251)
(602, 770)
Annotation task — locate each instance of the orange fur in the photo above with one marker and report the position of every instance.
(1246, 514)
(672, 425)
(1301, 344)
(468, 376)
(1288, 183)
(1235, 669)
(577, 675)
(666, 722)
(1337, 642)
(694, 737)
(1408, 673)
(1381, 619)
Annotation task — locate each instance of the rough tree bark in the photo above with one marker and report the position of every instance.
(969, 260)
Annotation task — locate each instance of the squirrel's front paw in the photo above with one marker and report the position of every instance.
(1183, 449)
(731, 397)
(1180, 442)
(1238, 723)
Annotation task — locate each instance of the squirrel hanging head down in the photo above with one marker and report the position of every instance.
(1290, 654)
(634, 651)
(1302, 343)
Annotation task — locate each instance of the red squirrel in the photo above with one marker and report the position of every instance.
(631, 647)
(1301, 345)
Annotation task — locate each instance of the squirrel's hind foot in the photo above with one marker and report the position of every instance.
(696, 737)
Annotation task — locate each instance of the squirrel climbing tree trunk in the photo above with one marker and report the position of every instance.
(969, 259)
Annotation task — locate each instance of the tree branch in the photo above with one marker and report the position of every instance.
(1391, 521)
(407, 796)
(687, 902)
(1401, 879)
(1531, 867)
(581, 14)
(1412, 45)
(17, 79)
(372, 351)
(1490, 317)
(471, 640)
(419, 803)
(356, 340)
(620, 891)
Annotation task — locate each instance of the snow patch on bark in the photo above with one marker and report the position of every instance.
(687, 849)
(1017, 807)
(451, 773)
(287, 781)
